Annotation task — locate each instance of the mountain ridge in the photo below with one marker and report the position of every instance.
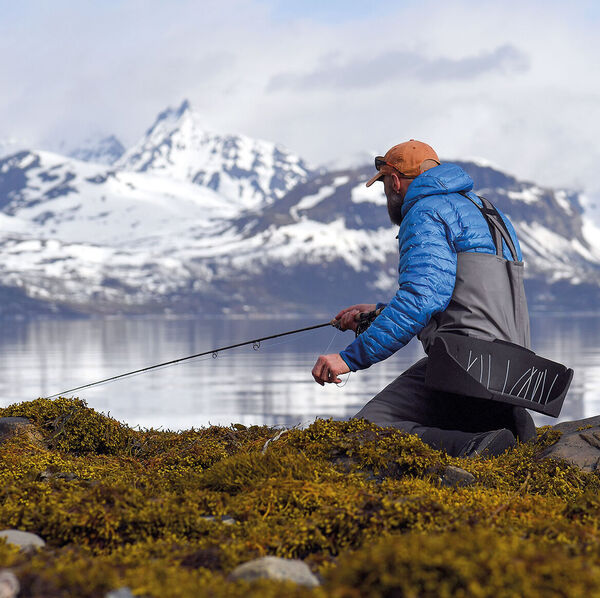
(248, 171)
(156, 232)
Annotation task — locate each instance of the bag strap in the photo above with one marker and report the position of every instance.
(496, 224)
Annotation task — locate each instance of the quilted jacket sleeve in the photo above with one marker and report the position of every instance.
(427, 274)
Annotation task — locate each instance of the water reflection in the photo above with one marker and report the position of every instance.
(272, 385)
(574, 341)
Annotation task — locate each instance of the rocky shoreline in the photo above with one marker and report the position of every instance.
(92, 508)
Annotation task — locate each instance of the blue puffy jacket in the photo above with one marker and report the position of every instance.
(437, 224)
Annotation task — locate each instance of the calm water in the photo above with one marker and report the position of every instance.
(272, 385)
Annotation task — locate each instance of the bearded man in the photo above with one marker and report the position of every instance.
(460, 271)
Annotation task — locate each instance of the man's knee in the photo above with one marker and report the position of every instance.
(380, 416)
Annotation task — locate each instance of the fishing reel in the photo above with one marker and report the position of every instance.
(365, 319)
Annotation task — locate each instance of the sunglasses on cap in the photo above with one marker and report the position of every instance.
(380, 161)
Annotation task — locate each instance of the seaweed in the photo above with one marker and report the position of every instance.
(171, 514)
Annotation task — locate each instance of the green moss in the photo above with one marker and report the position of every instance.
(464, 563)
(70, 426)
(362, 505)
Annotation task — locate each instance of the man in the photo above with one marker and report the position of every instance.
(460, 271)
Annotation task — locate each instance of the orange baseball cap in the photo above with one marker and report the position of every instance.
(406, 159)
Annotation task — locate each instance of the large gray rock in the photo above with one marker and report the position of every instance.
(272, 567)
(25, 540)
(579, 443)
(9, 426)
(9, 584)
(123, 592)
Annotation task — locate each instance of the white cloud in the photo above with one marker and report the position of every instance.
(377, 70)
(514, 82)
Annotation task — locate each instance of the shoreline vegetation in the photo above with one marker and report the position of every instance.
(371, 511)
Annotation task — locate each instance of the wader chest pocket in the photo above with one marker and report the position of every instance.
(497, 370)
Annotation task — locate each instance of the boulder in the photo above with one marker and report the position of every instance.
(25, 540)
(9, 584)
(271, 567)
(579, 443)
(454, 477)
(9, 426)
(123, 592)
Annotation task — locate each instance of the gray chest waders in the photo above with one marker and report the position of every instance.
(479, 345)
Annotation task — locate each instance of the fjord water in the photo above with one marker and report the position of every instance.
(270, 385)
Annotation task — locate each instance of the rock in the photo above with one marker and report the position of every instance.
(9, 426)
(60, 475)
(456, 477)
(579, 443)
(123, 592)
(225, 519)
(25, 540)
(9, 584)
(271, 567)
(12, 425)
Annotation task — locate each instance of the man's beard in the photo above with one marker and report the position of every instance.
(394, 206)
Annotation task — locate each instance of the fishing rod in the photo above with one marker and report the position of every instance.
(214, 352)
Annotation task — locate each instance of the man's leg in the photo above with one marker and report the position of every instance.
(442, 420)
(405, 403)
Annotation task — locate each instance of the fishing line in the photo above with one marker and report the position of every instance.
(330, 343)
(214, 353)
(345, 381)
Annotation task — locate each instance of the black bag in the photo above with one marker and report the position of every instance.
(497, 370)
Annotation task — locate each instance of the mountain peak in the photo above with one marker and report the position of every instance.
(249, 172)
(171, 116)
(184, 107)
(103, 150)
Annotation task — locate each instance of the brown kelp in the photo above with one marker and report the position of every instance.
(173, 513)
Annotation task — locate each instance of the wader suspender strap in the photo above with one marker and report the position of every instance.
(497, 226)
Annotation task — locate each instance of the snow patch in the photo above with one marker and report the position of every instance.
(373, 194)
(310, 201)
(529, 195)
(563, 202)
(591, 233)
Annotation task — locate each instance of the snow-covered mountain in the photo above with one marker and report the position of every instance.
(106, 150)
(333, 234)
(247, 172)
(78, 234)
(148, 234)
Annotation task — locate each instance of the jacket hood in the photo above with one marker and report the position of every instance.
(440, 180)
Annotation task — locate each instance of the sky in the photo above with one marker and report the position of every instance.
(514, 82)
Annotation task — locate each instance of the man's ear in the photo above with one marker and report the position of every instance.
(395, 182)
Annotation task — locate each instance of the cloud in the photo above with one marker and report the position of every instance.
(471, 77)
(378, 70)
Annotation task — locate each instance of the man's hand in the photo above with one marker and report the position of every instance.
(328, 368)
(346, 318)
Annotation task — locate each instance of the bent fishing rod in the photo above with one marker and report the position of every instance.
(214, 352)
